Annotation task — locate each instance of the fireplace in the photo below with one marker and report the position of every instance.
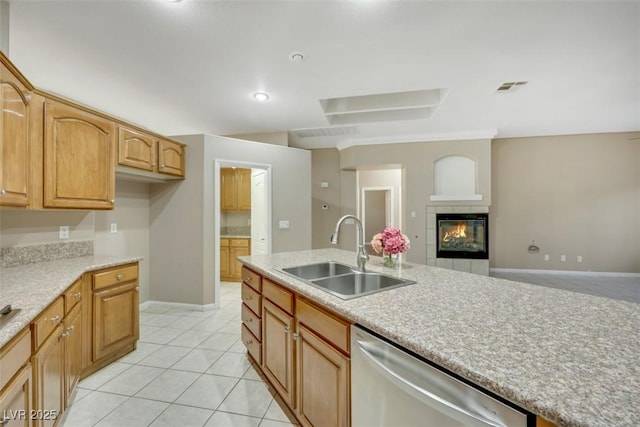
(462, 235)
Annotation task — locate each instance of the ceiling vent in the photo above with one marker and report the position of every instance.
(326, 131)
(412, 105)
(506, 87)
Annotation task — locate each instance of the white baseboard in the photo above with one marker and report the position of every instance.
(178, 305)
(567, 272)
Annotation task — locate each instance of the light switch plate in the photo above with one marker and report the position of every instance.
(113, 228)
(284, 224)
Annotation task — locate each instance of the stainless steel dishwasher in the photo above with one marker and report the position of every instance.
(393, 388)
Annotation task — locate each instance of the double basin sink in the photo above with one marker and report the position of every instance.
(344, 281)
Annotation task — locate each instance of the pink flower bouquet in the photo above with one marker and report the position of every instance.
(390, 242)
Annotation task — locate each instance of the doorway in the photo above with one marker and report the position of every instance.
(241, 229)
(376, 212)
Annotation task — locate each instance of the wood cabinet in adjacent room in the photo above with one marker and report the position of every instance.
(235, 189)
(79, 158)
(15, 96)
(230, 249)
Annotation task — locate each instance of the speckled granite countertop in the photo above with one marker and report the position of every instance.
(32, 287)
(571, 358)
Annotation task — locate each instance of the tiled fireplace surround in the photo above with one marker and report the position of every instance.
(475, 266)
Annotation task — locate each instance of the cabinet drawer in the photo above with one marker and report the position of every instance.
(278, 295)
(252, 279)
(254, 347)
(47, 322)
(252, 322)
(252, 299)
(325, 324)
(114, 276)
(14, 355)
(72, 296)
(241, 243)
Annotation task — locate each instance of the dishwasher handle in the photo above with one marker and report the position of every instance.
(391, 365)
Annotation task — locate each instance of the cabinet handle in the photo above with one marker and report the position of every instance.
(286, 329)
(54, 318)
(162, 165)
(295, 336)
(248, 342)
(113, 201)
(119, 276)
(137, 289)
(247, 298)
(70, 328)
(65, 334)
(3, 192)
(249, 320)
(247, 279)
(77, 295)
(5, 421)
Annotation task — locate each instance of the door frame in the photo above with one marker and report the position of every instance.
(219, 163)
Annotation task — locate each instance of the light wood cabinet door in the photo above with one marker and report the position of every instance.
(15, 400)
(73, 351)
(136, 149)
(48, 366)
(227, 189)
(115, 319)
(224, 259)
(170, 158)
(323, 382)
(235, 267)
(235, 189)
(277, 350)
(243, 187)
(14, 140)
(79, 159)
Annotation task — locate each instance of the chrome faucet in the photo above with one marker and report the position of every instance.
(361, 257)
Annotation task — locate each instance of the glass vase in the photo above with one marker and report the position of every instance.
(391, 260)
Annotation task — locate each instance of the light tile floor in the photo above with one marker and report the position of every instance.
(626, 288)
(190, 369)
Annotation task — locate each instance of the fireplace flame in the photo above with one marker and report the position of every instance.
(456, 233)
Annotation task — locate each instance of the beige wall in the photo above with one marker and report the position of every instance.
(131, 214)
(132, 238)
(325, 167)
(182, 215)
(417, 160)
(574, 195)
(275, 138)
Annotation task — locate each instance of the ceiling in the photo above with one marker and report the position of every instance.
(192, 67)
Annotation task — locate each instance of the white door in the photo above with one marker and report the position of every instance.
(259, 217)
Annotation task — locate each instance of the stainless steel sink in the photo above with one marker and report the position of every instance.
(318, 270)
(344, 281)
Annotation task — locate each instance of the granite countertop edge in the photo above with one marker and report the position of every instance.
(535, 385)
(32, 287)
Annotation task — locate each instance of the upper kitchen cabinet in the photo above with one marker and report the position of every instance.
(15, 96)
(235, 189)
(145, 152)
(79, 158)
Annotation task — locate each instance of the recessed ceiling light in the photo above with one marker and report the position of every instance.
(261, 96)
(296, 56)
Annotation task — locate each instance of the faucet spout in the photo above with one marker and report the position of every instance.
(361, 257)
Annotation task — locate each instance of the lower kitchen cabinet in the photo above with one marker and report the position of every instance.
(115, 312)
(323, 381)
(16, 381)
(304, 350)
(48, 373)
(277, 345)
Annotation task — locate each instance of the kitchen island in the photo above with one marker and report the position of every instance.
(570, 358)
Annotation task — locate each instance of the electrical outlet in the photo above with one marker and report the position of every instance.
(563, 258)
(579, 258)
(113, 228)
(283, 224)
(63, 232)
(546, 257)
